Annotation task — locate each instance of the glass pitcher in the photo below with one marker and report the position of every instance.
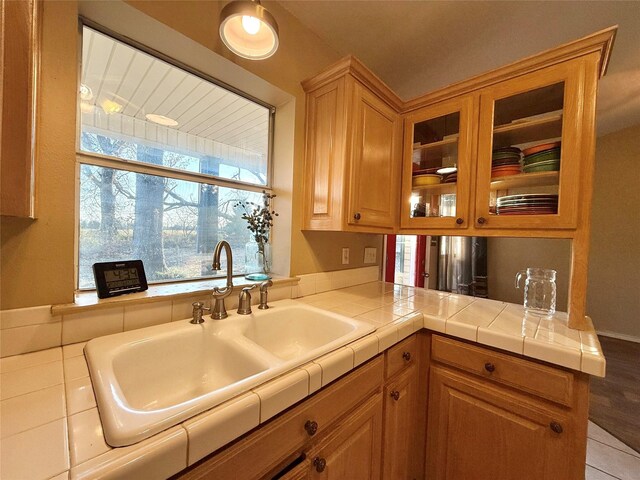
(539, 290)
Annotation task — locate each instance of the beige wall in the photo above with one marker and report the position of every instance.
(507, 256)
(38, 256)
(613, 296)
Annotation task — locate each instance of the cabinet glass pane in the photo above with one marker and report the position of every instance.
(526, 157)
(434, 166)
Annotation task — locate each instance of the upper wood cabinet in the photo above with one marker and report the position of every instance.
(353, 152)
(439, 138)
(19, 50)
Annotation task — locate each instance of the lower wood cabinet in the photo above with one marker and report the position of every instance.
(484, 422)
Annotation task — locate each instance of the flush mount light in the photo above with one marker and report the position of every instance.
(161, 120)
(85, 92)
(110, 107)
(445, 170)
(249, 30)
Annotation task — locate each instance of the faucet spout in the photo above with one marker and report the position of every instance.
(219, 311)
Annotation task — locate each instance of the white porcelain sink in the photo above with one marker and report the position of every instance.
(150, 379)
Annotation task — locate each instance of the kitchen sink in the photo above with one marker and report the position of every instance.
(150, 379)
(298, 331)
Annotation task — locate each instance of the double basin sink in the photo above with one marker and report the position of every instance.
(150, 379)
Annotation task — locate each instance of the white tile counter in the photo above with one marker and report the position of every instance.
(50, 425)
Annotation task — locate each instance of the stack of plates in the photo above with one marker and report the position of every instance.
(451, 178)
(505, 161)
(527, 204)
(542, 158)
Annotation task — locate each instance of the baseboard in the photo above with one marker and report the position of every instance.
(619, 336)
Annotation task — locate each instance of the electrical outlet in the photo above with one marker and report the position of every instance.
(370, 254)
(345, 256)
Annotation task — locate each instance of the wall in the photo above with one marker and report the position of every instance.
(613, 295)
(507, 256)
(38, 256)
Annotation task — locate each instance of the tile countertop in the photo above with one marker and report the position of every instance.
(48, 410)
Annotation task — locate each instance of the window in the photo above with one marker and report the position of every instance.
(164, 156)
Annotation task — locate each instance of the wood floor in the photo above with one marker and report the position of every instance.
(615, 399)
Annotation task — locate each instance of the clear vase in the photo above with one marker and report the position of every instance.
(257, 259)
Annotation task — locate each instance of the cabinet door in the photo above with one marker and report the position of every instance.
(353, 449)
(324, 170)
(403, 445)
(530, 147)
(479, 431)
(437, 165)
(19, 56)
(375, 162)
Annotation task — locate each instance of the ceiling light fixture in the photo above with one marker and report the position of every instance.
(85, 92)
(249, 30)
(445, 170)
(110, 107)
(161, 120)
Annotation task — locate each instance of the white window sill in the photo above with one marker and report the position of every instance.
(85, 301)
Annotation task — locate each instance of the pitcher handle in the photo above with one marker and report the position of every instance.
(519, 276)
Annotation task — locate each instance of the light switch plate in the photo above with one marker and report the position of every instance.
(370, 254)
(345, 256)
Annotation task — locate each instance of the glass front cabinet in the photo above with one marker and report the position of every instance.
(504, 157)
(437, 167)
(529, 140)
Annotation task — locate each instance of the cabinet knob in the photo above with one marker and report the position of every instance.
(320, 464)
(459, 221)
(489, 367)
(406, 356)
(311, 427)
(395, 395)
(482, 220)
(357, 216)
(556, 427)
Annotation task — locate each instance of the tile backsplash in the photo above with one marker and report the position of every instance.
(31, 329)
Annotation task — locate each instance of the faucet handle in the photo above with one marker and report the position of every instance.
(244, 304)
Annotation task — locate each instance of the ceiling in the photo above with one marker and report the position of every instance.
(418, 46)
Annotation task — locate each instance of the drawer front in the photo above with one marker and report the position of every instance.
(401, 356)
(281, 440)
(546, 382)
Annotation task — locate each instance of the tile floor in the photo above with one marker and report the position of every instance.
(608, 458)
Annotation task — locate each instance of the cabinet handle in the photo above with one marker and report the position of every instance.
(406, 356)
(320, 464)
(395, 395)
(357, 216)
(489, 367)
(459, 221)
(482, 220)
(556, 427)
(311, 427)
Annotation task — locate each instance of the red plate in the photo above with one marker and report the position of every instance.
(540, 148)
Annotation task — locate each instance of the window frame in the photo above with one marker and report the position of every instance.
(101, 160)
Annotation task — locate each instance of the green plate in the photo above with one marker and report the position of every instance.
(546, 166)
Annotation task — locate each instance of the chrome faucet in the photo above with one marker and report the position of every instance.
(218, 312)
(244, 302)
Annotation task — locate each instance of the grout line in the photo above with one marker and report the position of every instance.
(636, 454)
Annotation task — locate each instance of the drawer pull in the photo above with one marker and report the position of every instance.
(311, 427)
(489, 367)
(556, 427)
(395, 395)
(406, 356)
(320, 464)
